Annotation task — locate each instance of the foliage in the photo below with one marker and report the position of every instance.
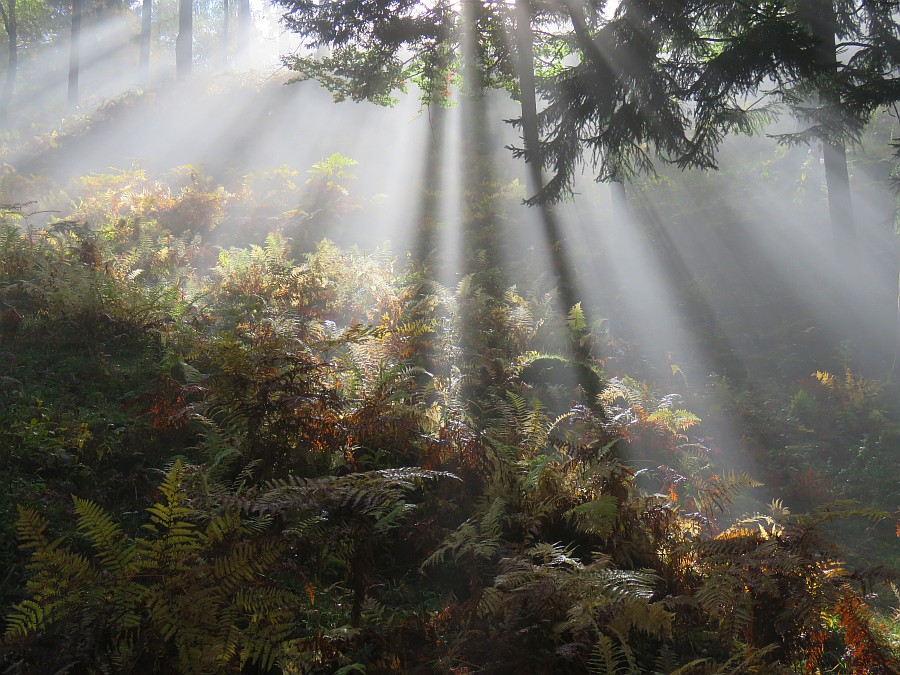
(181, 597)
(370, 45)
(353, 482)
(652, 83)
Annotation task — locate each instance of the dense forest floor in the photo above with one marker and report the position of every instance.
(235, 441)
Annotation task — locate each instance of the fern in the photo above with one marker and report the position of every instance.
(718, 493)
(114, 554)
(200, 600)
(362, 493)
(597, 516)
(867, 650)
(476, 539)
(612, 658)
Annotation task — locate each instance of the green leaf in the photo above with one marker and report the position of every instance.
(576, 320)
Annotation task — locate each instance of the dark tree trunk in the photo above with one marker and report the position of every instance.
(184, 42)
(144, 61)
(531, 139)
(425, 248)
(553, 236)
(9, 23)
(840, 203)
(528, 95)
(477, 218)
(823, 21)
(74, 54)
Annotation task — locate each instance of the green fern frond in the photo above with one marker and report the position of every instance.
(597, 516)
(575, 320)
(361, 492)
(490, 602)
(611, 658)
(719, 492)
(690, 668)
(618, 584)
(623, 389)
(30, 528)
(224, 525)
(27, 618)
(115, 554)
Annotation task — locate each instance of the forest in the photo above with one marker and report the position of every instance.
(450, 336)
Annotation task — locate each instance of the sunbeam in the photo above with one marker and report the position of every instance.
(450, 336)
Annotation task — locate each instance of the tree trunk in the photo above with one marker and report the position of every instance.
(531, 139)
(553, 236)
(823, 21)
(243, 29)
(478, 219)
(528, 95)
(74, 55)
(840, 203)
(619, 199)
(184, 41)
(9, 23)
(425, 248)
(226, 31)
(144, 61)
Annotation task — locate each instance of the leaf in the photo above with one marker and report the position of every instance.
(576, 320)
(115, 554)
(596, 516)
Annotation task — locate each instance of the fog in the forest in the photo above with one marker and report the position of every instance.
(699, 274)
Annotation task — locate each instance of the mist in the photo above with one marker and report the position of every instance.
(701, 275)
(294, 382)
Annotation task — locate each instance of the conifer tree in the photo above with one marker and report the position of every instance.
(669, 80)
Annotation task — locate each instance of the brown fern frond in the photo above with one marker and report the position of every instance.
(868, 652)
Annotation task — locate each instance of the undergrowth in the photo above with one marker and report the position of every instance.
(254, 459)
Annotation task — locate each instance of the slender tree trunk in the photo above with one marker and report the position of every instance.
(478, 331)
(425, 248)
(528, 95)
(531, 139)
(243, 29)
(144, 61)
(12, 65)
(476, 155)
(74, 54)
(619, 198)
(823, 21)
(184, 42)
(553, 236)
(840, 203)
(226, 31)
